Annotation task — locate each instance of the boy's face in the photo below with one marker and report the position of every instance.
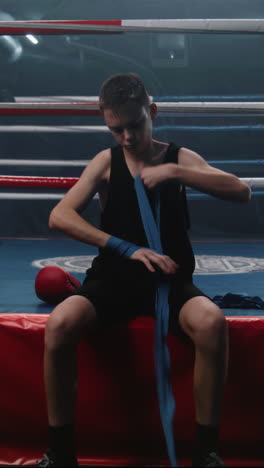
(131, 126)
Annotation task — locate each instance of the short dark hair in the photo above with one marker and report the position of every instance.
(122, 89)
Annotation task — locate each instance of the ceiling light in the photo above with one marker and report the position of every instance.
(33, 39)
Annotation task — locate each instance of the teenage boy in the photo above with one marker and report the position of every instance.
(122, 281)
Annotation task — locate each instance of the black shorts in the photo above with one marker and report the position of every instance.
(120, 299)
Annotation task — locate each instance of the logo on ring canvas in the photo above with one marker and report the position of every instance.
(205, 264)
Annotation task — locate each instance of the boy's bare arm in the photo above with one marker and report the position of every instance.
(65, 216)
(195, 172)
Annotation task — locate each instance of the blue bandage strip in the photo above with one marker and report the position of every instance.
(162, 357)
(121, 246)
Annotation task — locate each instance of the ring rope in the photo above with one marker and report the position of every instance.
(68, 182)
(235, 26)
(54, 128)
(31, 196)
(163, 98)
(83, 163)
(86, 108)
(92, 108)
(57, 196)
(43, 162)
(104, 129)
(63, 99)
(38, 182)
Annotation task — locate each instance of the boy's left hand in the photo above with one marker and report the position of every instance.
(153, 176)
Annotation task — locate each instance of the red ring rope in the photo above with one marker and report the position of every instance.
(217, 25)
(38, 182)
(31, 27)
(90, 108)
(68, 182)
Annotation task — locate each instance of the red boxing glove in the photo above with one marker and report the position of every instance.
(53, 284)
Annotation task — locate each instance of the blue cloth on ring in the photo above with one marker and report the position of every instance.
(239, 301)
(162, 357)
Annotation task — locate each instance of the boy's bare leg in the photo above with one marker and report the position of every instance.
(205, 323)
(66, 326)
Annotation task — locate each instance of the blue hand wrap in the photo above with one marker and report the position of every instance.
(162, 357)
(120, 246)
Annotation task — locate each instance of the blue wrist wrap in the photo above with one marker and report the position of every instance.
(120, 246)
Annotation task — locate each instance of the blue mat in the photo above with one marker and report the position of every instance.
(17, 275)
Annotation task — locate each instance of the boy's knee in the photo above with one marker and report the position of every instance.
(212, 330)
(68, 321)
(57, 331)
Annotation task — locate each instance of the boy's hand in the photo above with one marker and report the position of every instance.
(149, 257)
(152, 176)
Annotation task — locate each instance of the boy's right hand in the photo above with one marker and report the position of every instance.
(149, 257)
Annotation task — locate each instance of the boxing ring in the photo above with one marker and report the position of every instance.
(117, 418)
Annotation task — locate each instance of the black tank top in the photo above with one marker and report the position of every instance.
(121, 218)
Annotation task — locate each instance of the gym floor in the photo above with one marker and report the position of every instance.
(239, 270)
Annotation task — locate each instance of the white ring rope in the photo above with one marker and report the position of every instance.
(54, 128)
(43, 162)
(254, 182)
(163, 107)
(236, 26)
(28, 99)
(241, 107)
(30, 196)
(185, 98)
(104, 129)
(83, 163)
